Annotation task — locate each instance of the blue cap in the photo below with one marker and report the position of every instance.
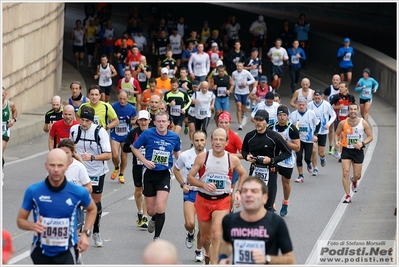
(347, 40)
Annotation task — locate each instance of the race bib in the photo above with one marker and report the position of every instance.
(91, 39)
(243, 250)
(237, 60)
(262, 173)
(366, 92)
(105, 80)
(203, 111)
(271, 121)
(96, 120)
(162, 50)
(175, 110)
(294, 60)
(344, 111)
(276, 60)
(351, 140)
(191, 111)
(141, 77)
(218, 180)
(110, 36)
(77, 42)
(160, 157)
(347, 57)
(122, 129)
(221, 91)
(240, 86)
(57, 232)
(254, 72)
(4, 127)
(170, 73)
(198, 65)
(303, 130)
(95, 180)
(142, 151)
(133, 64)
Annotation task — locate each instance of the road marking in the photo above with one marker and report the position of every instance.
(339, 211)
(27, 158)
(27, 253)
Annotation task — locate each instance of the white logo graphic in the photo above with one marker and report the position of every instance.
(69, 202)
(45, 198)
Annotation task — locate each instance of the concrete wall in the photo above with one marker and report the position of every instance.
(383, 68)
(32, 52)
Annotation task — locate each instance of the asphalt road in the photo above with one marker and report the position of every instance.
(315, 211)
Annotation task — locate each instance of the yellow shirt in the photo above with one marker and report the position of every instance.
(104, 113)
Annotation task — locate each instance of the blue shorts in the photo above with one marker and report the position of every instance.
(241, 98)
(80, 217)
(108, 49)
(278, 70)
(222, 103)
(190, 196)
(234, 178)
(117, 138)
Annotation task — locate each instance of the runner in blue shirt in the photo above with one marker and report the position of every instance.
(345, 55)
(367, 87)
(54, 202)
(127, 117)
(160, 145)
(296, 55)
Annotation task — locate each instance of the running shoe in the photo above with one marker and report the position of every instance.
(199, 257)
(339, 160)
(121, 179)
(337, 154)
(354, 185)
(156, 239)
(79, 260)
(190, 238)
(347, 199)
(186, 130)
(331, 150)
(151, 226)
(114, 174)
(240, 127)
(300, 179)
(139, 221)
(310, 168)
(323, 162)
(144, 222)
(315, 172)
(284, 210)
(207, 259)
(244, 119)
(98, 242)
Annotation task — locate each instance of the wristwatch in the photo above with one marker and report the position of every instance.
(15, 120)
(364, 144)
(268, 259)
(181, 185)
(87, 232)
(92, 158)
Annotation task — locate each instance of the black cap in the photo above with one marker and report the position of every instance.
(254, 49)
(270, 96)
(282, 109)
(262, 114)
(317, 92)
(195, 83)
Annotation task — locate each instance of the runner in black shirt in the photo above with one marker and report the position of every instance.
(264, 148)
(255, 235)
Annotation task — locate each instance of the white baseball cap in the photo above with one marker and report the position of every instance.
(219, 63)
(144, 114)
(214, 44)
(164, 71)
